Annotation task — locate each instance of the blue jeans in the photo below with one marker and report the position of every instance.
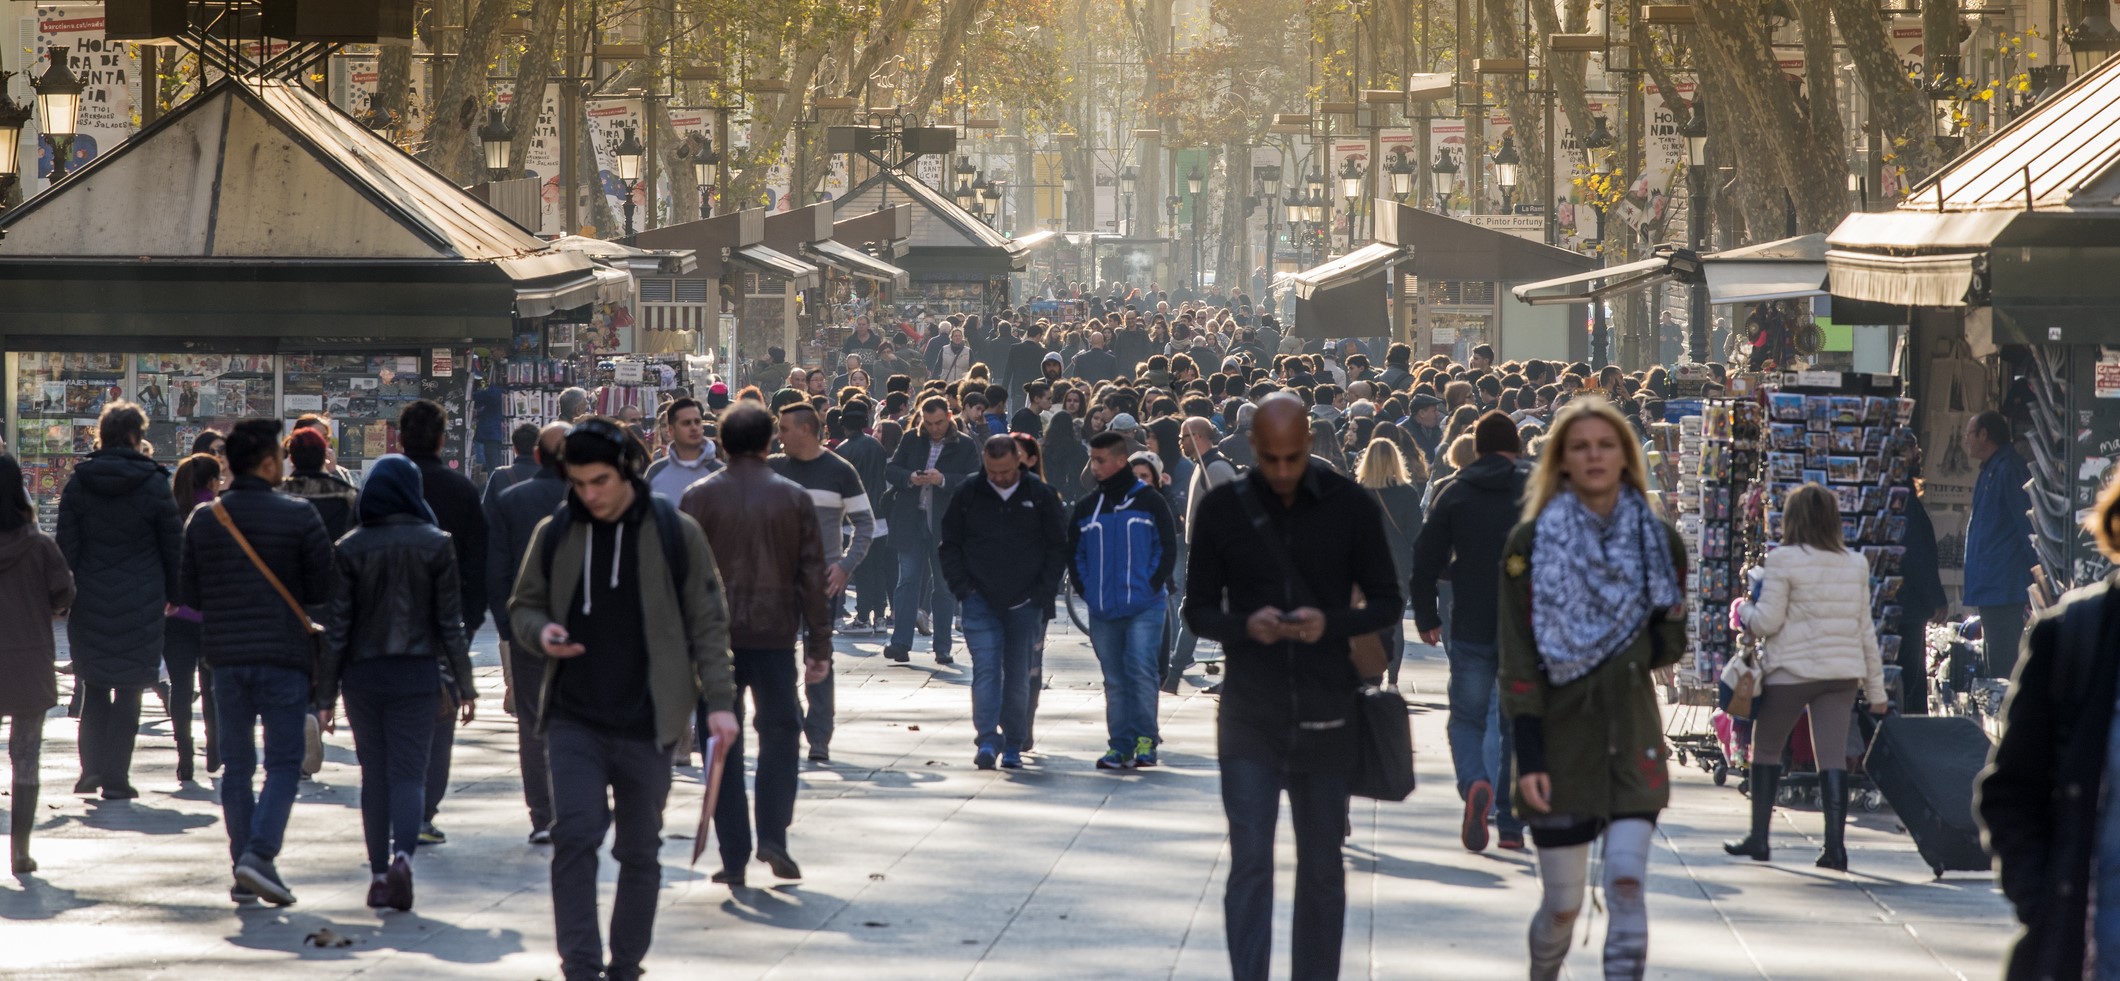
(1480, 744)
(1317, 807)
(390, 702)
(1000, 642)
(1126, 648)
(920, 578)
(246, 695)
(1186, 644)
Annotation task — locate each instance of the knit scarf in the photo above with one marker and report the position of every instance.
(1594, 581)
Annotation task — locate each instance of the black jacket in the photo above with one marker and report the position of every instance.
(1923, 593)
(336, 501)
(1025, 364)
(1109, 495)
(524, 468)
(1094, 365)
(865, 455)
(1028, 422)
(2039, 797)
(457, 509)
(246, 621)
(510, 518)
(120, 533)
(959, 461)
(1402, 523)
(1010, 552)
(396, 595)
(1464, 531)
(1236, 448)
(1332, 535)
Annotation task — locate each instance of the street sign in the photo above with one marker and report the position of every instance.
(1528, 227)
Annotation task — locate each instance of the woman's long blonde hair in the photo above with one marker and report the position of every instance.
(1547, 478)
(1382, 466)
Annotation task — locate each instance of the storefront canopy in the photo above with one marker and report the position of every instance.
(854, 262)
(197, 224)
(1787, 269)
(2027, 223)
(1584, 287)
(807, 232)
(1447, 248)
(780, 265)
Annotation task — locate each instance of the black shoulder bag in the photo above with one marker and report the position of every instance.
(1383, 767)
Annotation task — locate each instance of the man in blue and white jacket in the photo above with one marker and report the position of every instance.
(1124, 546)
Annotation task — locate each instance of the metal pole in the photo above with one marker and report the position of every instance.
(570, 126)
(1696, 236)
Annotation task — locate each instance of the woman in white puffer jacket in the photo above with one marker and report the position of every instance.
(1813, 614)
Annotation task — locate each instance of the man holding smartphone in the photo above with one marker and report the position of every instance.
(622, 594)
(925, 474)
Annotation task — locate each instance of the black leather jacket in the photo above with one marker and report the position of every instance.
(397, 596)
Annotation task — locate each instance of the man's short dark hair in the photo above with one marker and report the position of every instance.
(524, 438)
(250, 443)
(596, 439)
(421, 427)
(1398, 354)
(898, 383)
(1495, 432)
(669, 413)
(934, 403)
(1107, 440)
(747, 429)
(1484, 351)
(1000, 444)
(1994, 426)
(122, 424)
(973, 398)
(802, 414)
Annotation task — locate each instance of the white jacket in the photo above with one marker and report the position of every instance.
(1814, 614)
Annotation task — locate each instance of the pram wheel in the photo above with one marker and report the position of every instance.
(1681, 752)
(1722, 774)
(1213, 668)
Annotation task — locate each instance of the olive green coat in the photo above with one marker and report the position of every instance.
(1604, 733)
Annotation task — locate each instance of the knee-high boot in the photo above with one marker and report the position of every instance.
(1833, 801)
(23, 817)
(1756, 846)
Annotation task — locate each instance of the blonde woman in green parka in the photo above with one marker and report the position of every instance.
(1590, 603)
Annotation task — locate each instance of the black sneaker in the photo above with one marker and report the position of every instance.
(733, 878)
(820, 755)
(783, 867)
(892, 652)
(984, 759)
(943, 658)
(241, 895)
(263, 879)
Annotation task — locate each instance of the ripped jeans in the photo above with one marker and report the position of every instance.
(1564, 871)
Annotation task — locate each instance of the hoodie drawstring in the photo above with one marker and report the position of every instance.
(618, 550)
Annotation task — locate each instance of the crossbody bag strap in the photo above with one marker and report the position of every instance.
(220, 514)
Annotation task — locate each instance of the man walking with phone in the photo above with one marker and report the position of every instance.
(621, 593)
(927, 472)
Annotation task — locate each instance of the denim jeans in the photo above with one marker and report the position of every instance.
(1480, 744)
(1185, 643)
(1000, 642)
(1317, 804)
(598, 779)
(920, 579)
(771, 676)
(248, 695)
(390, 702)
(1126, 648)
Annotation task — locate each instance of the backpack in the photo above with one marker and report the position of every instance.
(1120, 551)
(666, 528)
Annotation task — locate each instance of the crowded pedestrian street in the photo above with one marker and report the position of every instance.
(920, 867)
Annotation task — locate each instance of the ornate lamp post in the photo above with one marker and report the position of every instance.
(1506, 161)
(1695, 130)
(1269, 190)
(628, 157)
(964, 195)
(1401, 171)
(59, 108)
(1351, 175)
(704, 161)
(497, 139)
(2092, 40)
(1193, 183)
(1127, 178)
(13, 117)
(1443, 174)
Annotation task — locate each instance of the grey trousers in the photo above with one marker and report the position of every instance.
(1831, 704)
(600, 779)
(527, 675)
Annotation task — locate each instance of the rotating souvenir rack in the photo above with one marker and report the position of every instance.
(1852, 434)
(1718, 468)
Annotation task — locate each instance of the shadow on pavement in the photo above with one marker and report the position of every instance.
(134, 816)
(297, 933)
(39, 900)
(787, 906)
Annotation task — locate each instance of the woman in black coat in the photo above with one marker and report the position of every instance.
(1382, 472)
(1065, 454)
(2040, 796)
(119, 531)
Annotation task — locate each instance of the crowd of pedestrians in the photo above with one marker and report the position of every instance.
(1176, 474)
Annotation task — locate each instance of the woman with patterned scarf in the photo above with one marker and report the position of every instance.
(1590, 604)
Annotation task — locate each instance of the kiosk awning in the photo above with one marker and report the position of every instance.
(1361, 264)
(1584, 287)
(799, 274)
(854, 261)
(1903, 280)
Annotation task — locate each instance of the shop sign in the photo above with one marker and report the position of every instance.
(628, 372)
(2105, 378)
(444, 363)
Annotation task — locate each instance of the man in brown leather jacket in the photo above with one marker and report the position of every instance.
(764, 526)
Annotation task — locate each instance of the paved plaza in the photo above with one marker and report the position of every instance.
(920, 867)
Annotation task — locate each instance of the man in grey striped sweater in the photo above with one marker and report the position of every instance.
(835, 488)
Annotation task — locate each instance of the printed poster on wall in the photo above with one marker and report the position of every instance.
(609, 122)
(111, 70)
(353, 78)
(1652, 192)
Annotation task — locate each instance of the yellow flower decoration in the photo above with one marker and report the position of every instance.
(1516, 566)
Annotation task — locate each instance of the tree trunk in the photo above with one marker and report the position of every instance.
(532, 73)
(1900, 109)
(452, 141)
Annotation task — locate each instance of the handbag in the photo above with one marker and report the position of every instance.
(1383, 765)
(1742, 675)
(312, 729)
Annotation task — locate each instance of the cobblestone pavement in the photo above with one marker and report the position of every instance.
(920, 867)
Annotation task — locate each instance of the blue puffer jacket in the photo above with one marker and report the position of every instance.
(247, 622)
(118, 530)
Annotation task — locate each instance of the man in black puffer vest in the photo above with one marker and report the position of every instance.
(119, 532)
(261, 652)
(422, 427)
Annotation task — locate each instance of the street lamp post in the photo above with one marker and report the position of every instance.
(1171, 205)
(1193, 184)
(628, 158)
(13, 117)
(2092, 40)
(59, 108)
(965, 196)
(1444, 174)
(1270, 189)
(1351, 175)
(497, 139)
(1695, 131)
(1506, 161)
(1401, 171)
(1318, 209)
(1127, 178)
(704, 161)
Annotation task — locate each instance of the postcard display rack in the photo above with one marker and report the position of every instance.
(1851, 433)
(1718, 452)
